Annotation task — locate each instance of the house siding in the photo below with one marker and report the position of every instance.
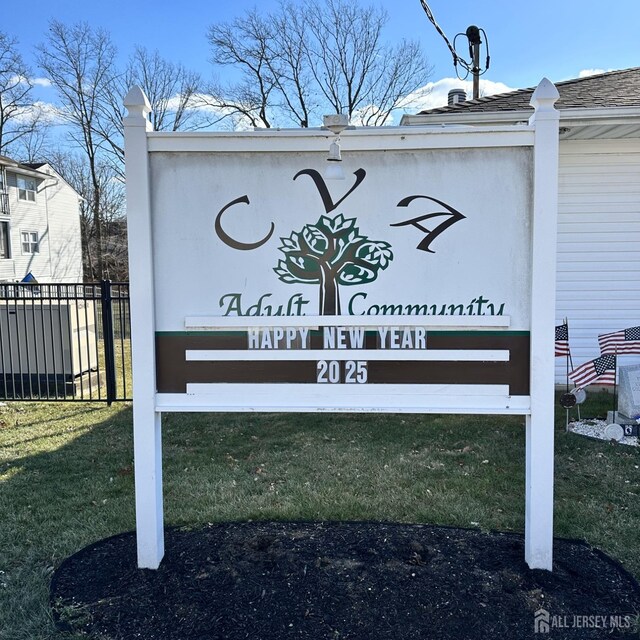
(26, 216)
(55, 217)
(598, 276)
(65, 257)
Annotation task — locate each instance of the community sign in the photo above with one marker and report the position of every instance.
(422, 282)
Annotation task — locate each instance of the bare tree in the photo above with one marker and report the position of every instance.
(174, 93)
(288, 61)
(79, 61)
(17, 116)
(36, 143)
(171, 88)
(312, 58)
(245, 43)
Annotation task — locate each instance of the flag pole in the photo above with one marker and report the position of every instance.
(570, 357)
(615, 383)
(566, 322)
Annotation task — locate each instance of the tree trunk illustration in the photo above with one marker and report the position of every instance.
(329, 293)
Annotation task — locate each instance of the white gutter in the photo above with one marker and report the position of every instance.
(574, 116)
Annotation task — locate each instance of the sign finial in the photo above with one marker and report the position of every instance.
(544, 96)
(137, 103)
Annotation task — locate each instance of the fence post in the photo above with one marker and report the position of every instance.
(109, 344)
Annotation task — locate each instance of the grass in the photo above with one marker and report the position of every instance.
(66, 480)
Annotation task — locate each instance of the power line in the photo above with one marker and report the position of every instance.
(429, 13)
(471, 66)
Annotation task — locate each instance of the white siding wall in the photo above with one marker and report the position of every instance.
(26, 216)
(64, 233)
(598, 243)
(55, 217)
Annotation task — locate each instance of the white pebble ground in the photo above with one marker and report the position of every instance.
(595, 429)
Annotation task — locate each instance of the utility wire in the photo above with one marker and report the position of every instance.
(425, 6)
(488, 59)
(467, 66)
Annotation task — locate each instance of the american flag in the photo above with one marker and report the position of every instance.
(562, 340)
(625, 341)
(602, 370)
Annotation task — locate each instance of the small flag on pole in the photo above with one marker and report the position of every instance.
(562, 340)
(602, 370)
(625, 341)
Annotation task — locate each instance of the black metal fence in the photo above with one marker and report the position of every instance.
(65, 342)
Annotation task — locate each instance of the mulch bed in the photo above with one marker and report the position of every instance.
(338, 581)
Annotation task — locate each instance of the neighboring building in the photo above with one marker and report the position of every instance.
(599, 198)
(39, 224)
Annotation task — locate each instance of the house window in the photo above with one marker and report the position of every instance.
(5, 246)
(26, 189)
(30, 243)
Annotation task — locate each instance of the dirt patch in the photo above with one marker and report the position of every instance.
(357, 581)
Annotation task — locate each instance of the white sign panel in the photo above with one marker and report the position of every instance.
(431, 280)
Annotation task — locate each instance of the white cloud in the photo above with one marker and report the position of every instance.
(50, 113)
(435, 94)
(41, 82)
(15, 80)
(222, 117)
(208, 114)
(45, 112)
(36, 82)
(366, 115)
(585, 73)
(432, 95)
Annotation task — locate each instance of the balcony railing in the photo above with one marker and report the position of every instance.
(4, 204)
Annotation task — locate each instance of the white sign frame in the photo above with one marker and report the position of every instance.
(538, 408)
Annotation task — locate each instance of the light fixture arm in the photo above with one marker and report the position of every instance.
(336, 123)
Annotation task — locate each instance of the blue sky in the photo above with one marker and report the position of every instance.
(557, 39)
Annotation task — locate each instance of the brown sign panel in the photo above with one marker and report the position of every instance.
(174, 371)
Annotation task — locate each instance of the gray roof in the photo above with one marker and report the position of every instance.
(612, 89)
(26, 168)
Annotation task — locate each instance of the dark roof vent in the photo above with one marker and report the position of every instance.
(456, 95)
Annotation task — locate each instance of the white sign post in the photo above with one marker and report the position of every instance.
(424, 282)
(147, 432)
(540, 421)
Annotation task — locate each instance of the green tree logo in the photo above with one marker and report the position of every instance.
(331, 253)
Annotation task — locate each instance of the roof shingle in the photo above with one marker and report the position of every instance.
(612, 89)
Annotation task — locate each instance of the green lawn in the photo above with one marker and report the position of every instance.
(66, 480)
